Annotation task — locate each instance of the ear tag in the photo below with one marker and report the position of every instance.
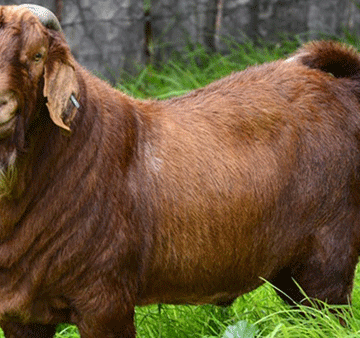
(74, 101)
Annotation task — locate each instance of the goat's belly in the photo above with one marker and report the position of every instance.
(197, 288)
(177, 297)
(221, 299)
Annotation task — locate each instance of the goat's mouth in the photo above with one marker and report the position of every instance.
(8, 109)
(7, 127)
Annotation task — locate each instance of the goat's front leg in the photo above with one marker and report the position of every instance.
(18, 330)
(111, 326)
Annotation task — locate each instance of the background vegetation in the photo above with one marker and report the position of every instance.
(260, 313)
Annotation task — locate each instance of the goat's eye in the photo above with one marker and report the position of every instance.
(38, 57)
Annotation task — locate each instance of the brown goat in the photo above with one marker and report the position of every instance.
(118, 202)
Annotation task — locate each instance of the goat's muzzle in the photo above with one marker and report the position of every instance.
(8, 108)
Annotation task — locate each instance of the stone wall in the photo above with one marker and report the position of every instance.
(108, 36)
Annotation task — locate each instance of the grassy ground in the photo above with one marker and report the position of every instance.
(257, 314)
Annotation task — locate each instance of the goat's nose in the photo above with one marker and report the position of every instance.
(8, 106)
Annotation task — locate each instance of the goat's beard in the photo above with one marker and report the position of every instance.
(8, 172)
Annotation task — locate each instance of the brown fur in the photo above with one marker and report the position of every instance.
(190, 200)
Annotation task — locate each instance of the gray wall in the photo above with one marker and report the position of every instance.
(108, 36)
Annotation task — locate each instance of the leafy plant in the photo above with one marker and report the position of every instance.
(242, 329)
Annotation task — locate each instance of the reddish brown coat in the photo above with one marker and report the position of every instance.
(195, 199)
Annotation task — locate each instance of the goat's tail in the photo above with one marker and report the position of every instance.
(329, 56)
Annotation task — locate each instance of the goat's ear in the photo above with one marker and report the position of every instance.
(61, 90)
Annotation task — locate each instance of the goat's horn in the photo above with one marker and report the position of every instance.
(46, 17)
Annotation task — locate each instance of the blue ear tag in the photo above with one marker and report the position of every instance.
(74, 101)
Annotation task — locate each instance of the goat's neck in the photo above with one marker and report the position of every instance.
(55, 163)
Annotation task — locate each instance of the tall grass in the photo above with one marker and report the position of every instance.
(196, 68)
(260, 313)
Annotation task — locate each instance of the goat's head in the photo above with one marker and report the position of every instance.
(36, 70)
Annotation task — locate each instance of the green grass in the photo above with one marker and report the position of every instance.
(260, 313)
(196, 68)
(261, 310)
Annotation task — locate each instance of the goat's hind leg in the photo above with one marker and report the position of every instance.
(18, 330)
(328, 273)
(325, 274)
